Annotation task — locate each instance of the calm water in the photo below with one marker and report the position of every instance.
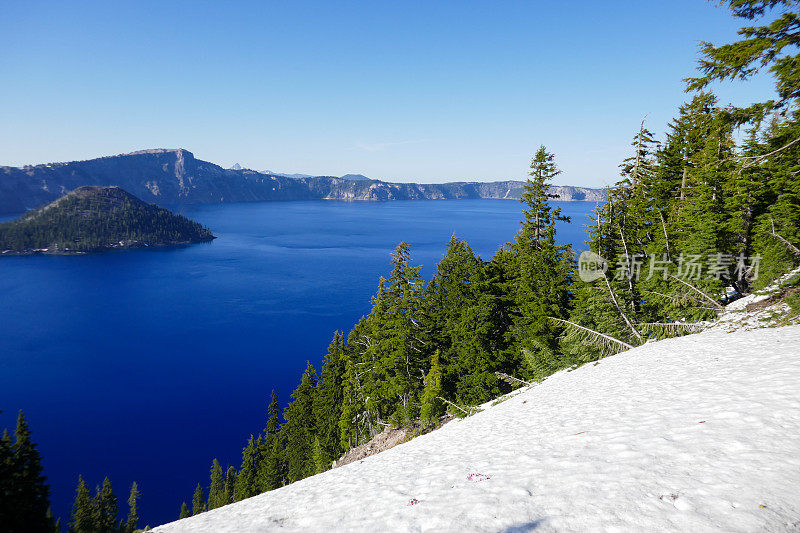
(144, 365)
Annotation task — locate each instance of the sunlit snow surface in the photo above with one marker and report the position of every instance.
(698, 433)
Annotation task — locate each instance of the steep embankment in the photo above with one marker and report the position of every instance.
(175, 176)
(697, 433)
(97, 218)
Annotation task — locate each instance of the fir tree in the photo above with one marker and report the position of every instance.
(230, 485)
(185, 513)
(317, 459)
(216, 489)
(328, 399)
(83, 515)
(133, 509)
(432, 406)
(106, 508)
(7, 474)
(198, 501)
(30, 493)
(299, 429)
(543, 267)
(246, 478)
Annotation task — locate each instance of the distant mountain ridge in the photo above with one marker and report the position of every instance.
(174, 176)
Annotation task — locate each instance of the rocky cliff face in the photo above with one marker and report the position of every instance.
(166, 176)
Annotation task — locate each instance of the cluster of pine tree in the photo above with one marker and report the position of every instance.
(24, 494)
(99, 513)
(683, 228)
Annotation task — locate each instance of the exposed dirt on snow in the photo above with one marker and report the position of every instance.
(388, 438)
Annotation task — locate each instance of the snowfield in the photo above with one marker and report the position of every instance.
(697, 433)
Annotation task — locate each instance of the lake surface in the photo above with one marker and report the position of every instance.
(146, 364)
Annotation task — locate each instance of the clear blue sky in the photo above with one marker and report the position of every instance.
(406, 91)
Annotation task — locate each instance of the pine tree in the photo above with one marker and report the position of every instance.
(83, 516)
(31, 495)
(230, 485)
(328, 401)
(106, 508)
(198, 501)
(216, 489)
(395, 345)
(133, 509)
(432, 406)
(299, 429)
(317, 458)
(7, 474)
(246, 478)
(185, 513)
(543, 267)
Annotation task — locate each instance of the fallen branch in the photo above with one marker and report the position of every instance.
(511, 380)
(791, 246)
(609, 340)
(717, 305)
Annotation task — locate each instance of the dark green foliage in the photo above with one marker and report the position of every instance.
(246, 477)
(133, 509)
(95, 218)
(83, 515)
(24, 494)
(105, 508)
(432, 406)
(185, 513)
(299, 429)
(328, 399)
(230, 485)
(216, 489)
(541, 268)
(198, 501)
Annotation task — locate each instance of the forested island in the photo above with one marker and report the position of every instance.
(91, 219)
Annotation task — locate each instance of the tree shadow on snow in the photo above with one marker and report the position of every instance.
(527, 526)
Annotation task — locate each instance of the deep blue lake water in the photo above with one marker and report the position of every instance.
(146, 364)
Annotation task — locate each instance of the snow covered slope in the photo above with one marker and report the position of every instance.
(698, 433)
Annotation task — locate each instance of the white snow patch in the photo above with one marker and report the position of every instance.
(696, 433)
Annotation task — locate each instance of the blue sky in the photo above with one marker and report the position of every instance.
(406, 91)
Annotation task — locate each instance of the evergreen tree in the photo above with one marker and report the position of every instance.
(198, 501)
(299, 429)
(83, 515)
(317, 459)
(7, 474)
(216, 489)
(328, 399)
(185, 513)
(543, 267)
(230, 485)
(395, 353)
(106, 508)
(133, 509)
(432, 406)
(246, 478)
(30, 499)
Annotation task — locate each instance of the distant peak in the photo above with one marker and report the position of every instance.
(355, 177)
(236, 166)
